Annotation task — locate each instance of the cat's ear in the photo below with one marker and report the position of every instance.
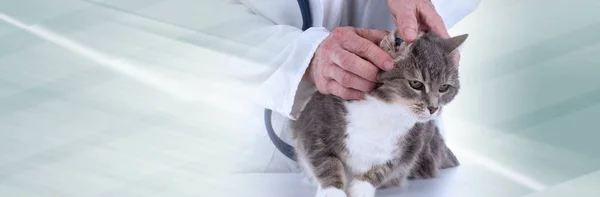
(452, 46)
(393, 45)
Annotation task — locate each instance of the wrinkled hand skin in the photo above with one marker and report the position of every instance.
(413, 16)
(347, 62)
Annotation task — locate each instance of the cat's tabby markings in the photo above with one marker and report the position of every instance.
(353, 148)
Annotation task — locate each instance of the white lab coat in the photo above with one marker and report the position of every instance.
(267, 35)
(273, 52)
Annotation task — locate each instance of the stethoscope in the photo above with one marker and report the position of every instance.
(282, 146)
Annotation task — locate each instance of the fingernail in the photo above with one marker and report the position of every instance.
(389, 65)
(410, 34)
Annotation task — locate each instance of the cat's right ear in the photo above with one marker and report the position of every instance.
(393, 45)
(454, 43)
(452, 46)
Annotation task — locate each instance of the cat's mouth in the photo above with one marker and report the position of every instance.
(424, 117)
(425, 114)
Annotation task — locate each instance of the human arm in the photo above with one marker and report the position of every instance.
(267, 53)
(344, 62)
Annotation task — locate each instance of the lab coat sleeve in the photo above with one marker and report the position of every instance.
(274, 52)
(284, 90)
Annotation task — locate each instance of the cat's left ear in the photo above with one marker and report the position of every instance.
(393, 45)
(452, 46)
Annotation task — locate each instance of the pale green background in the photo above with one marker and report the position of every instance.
(74, 121)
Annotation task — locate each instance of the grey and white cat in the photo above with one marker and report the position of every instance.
(352, 148)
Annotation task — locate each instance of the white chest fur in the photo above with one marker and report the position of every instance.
(374, 128)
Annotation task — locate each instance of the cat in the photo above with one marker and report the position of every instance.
(353, 148)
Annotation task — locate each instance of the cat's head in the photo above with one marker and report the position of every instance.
(425, 78)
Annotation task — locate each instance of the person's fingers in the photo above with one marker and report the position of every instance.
(337, 89)
(406, 21)
(320, 81)
(372, 35)
(432, 19)
(348, 79)
(369, 51)
(350, 62)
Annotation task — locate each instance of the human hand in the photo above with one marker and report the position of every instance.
(347, 62)
(413, 16)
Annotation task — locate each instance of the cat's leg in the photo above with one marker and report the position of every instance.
(330, 175)
(303, 163)
(395, 182)
(361, 188)
(431, 164)
(428, 164)
(426, 169)
(366, 184)
(380, 177)
(450, 160)
(309, 177)
(434, 156)
(438, 146)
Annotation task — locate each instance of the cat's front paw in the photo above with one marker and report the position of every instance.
(426, 170)
(361, 189)
(309, 180)
(331, 192)
(396, 182)
(424, 173)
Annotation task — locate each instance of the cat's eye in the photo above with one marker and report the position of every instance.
(417, 85)
(444, 88)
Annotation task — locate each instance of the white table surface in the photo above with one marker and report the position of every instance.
(469, 180)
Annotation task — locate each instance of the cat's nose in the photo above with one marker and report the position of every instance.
(432, 109)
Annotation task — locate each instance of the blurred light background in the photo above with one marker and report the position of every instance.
(128, 98)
